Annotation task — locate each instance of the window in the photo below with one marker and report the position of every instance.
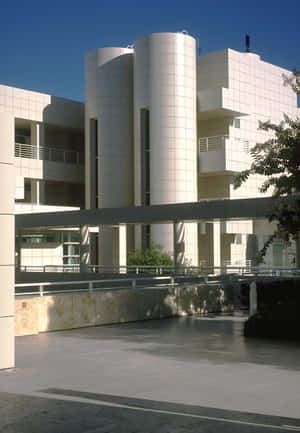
(238, 238)
(71, 248)
(235, 123)
(145, 156)
(39, 238)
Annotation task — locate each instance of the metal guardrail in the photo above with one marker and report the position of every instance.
(132, 282)
(45, 153)
(99, 269)
(208, 144)
(166, 270)
(218, 142)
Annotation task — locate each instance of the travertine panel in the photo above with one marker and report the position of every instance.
(7, 182)
(56, 312)
(6, 290)
(107, 310)
(148, 304)
(27, 316)
(50, 313)
(127, 305)
(6, 138)
(7, 235)
(7, 352)
(84, 310)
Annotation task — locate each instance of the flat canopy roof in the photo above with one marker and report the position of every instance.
(166, 213)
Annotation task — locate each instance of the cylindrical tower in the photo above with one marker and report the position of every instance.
(109, 138)
(166, 130)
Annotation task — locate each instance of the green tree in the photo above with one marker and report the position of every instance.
(152, 256)
(278, 159)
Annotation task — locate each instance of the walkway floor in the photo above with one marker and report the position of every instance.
(169, 376)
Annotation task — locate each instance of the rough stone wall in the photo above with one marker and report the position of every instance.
(53, 313)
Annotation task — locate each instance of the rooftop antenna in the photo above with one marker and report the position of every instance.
(247, 43)
(198, 46)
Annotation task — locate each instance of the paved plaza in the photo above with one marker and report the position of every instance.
(177, 375)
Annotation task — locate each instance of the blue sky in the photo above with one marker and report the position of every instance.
(42, 44)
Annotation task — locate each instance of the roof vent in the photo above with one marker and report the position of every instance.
(185, 32)
(247, 40)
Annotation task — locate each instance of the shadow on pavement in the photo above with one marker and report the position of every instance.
(216, 339)
(99, 413)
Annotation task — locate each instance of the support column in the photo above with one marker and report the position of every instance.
(113, 248)
(214, 244)
(122, 235)
(84, 248)
(217, 244)
(37, 139)
(179, 246)
(40, 192)
(37, 136)
(7, 236)
(34, 191)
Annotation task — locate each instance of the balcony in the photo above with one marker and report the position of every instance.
(49, 154)
(220, 102)
(223, 153)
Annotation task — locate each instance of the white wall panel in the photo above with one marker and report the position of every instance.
(165, 68)
(7, 236)
(109, 100)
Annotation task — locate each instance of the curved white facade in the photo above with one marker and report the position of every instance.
(109, 101)
(165, 84)
(109, 150)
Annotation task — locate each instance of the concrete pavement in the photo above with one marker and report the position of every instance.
(174, 375)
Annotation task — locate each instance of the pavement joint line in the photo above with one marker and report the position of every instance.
(159, 411)
(291, 427)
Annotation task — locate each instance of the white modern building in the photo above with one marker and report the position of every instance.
(166, 126)
(41, 170)
(161, 125)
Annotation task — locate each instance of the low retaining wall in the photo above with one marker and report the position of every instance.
(69, 311)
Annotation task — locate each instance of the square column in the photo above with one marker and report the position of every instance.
(214, 244)
(7, 234)
(122, 248)
(40, 192)
(113, 247)
(37, 136)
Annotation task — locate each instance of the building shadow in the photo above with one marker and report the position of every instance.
(70, 411)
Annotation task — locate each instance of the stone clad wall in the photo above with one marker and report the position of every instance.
(69, 311)
(7, 229)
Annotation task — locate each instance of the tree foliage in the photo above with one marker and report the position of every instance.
(152, 256)
(278, 160)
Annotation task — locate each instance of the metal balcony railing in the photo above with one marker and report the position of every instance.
(209, 144)
(242, 269)
(218, 142)
(45, 153)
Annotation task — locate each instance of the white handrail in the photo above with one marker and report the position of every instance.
(213, 143)
(91, 283)
(46, 153)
